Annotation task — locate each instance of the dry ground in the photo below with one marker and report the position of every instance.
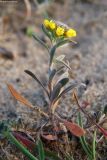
(88, 58)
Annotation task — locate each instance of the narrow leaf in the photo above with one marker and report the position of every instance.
(53, 49)
(84, 144)
(40, 41)
(47, 33)
(94, 146)
(35, 77)
(55, 92)
(60, 58)
(18, 96)
(24, 140)
(74, 128)
(64, 81)
(51, 155)
(72, 86)
(21, 147)
(58, 87)
(51, 76)
(62, 42)
(41, 150)
(104, 132)
(52, 53)
(31, 145)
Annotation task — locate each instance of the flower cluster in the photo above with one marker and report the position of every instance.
(59, 29)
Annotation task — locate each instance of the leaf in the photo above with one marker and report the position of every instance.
(40, 41)
(60, 58)
(41, 150)
(62, 42)
(20, 146)
(53, 49)
(31, 145)
(83, 141)
(18, 96)
(51, 76)
(74, 128)
(47, 33)
(51, 155)
(55, 92)
(102, 130)
(64, 81)
(24, 140)
(94, 146)
(57, 88)
(35, 77)
(72, 86)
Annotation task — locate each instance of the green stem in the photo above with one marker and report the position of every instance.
(21, 147)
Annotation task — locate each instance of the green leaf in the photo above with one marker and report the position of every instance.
(40, 41)
(47, 33)
(51, 76)
(53, 49)
(35, 77)
(84, 144)
(51, 155)
(41, 150)
(57, 88)
(72, 86)
(20, 146)
(94, 146)
(64, 81)
(62, 42)
(55, 92)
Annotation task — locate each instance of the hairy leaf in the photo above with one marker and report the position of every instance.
(35, 77)
(47, 33)
(18, 96)
(53, 49)
(58, 88)
(51, 76)
(40, 41)
(74, 128)
(55, 92)
(60, 58)
(72, 86)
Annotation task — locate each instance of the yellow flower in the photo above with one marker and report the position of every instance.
(71, 33)
(59, 31)
(46, 23)
(52, 25)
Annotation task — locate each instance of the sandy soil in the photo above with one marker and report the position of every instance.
(88, 59)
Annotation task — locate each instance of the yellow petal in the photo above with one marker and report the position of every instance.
(71, 33)
(46, 23)
(59, 31)
(52, 25)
